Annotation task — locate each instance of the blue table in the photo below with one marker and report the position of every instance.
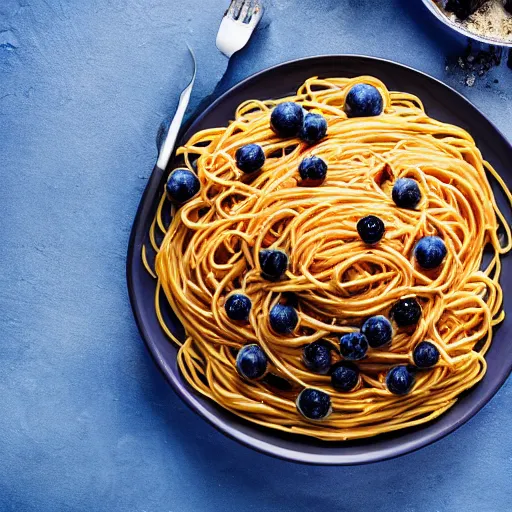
(87, 423)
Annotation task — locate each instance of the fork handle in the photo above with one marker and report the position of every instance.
(166, 149)
(170, 139)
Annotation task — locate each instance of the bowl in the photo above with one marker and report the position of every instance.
(455, 27)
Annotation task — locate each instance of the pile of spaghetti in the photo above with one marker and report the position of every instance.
(210, 249)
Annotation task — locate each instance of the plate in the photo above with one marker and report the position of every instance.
(441, 16)
(442, 103)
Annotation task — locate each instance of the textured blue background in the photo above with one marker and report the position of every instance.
(87, 423)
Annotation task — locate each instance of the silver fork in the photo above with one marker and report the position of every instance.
(235, 31)
(238, 25)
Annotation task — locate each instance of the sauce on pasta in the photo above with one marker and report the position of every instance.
(210, 249)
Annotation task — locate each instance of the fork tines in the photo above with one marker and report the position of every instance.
(243, 10)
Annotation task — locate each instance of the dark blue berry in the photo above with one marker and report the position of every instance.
(344, 376)
(283, 318)
(363, 100)
(238, 306)
(314, 128)
(317, 357)
(290, 298)
(371, 229)
(425, 355)
(378, 331)
(314, 404)
(430, 252)
(313, 171)
(182, 185)
(462, 8)
(399, 380)
(353, 346)
(250, 158)
(277, 382)
(406, 312)
(287, 119)
(406, 193)
(273, 263)
(251, 362)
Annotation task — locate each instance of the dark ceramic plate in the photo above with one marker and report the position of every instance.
(442, 103)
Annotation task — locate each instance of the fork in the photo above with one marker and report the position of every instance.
(238, 25)
(235, 30)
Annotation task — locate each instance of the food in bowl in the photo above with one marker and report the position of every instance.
(487, 18)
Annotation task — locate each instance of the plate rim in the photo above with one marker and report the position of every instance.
(183, 390)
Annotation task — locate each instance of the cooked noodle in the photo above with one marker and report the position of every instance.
(211, 249)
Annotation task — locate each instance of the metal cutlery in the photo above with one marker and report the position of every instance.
(238, 25)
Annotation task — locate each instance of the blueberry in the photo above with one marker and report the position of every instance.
(287, 119)
(378, 331)
(290, 298)
(425, 355)
(399, 380)
(430, 252)
(344, 376)
(251, 362)
(313, 171)
(314, 404)
(314, 128)
(371, 229)
(406, 193)
(273, 263)
(353, 346)
(406, 312)
(317, 357)
(238, 306)
(250, 158)
(283, 318)
(182, 185)
(277, 382)
(363, 100)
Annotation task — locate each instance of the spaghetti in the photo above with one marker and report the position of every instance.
(211, 247)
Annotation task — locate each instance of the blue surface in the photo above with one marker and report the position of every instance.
(87, 423)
